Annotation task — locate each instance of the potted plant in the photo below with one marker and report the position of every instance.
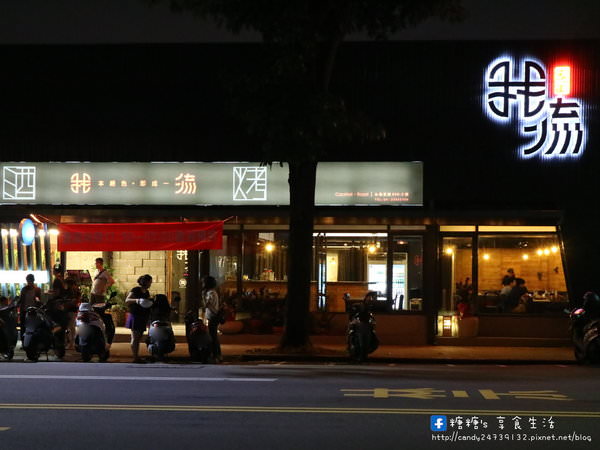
(119, 309)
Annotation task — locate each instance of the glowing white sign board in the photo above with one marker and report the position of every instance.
(518, 91)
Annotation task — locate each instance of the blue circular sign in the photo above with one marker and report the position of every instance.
(27, 231)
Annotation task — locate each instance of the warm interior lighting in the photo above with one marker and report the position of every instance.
(18, 276)
(372, 248)
(554, 249)
(525, 256)
(41, 233)
(449, 251)
(447, 323)
(540, 252)
(53, 232)
(4, 232)
(546, 251)
(14, 232)
(35, 219)
(562, 80)
(269, 247)
(486, 256)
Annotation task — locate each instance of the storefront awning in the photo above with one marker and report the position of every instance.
(140, 236)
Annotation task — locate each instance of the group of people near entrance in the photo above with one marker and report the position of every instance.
(64, 297)
(138, 301)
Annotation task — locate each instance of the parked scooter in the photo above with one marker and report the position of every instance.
(41, 334)
(198, 338)
(161, 339)
(90, 338)
(362, 339)
(8, 329)
(585, 329)
(109, 325)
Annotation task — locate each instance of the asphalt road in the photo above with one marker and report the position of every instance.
(282, 406)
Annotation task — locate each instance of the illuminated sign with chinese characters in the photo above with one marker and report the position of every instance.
(197, 183)
(519, 91)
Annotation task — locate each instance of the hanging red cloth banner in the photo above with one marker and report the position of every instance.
(140, 236)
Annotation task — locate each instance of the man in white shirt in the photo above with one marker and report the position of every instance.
(102, 281)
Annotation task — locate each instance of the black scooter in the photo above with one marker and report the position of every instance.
(42, 334)
(161, 339)
(198, 338)
(8, 330)
(361, 337)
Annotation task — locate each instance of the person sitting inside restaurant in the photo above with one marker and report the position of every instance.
(517, 299)
(509, 277)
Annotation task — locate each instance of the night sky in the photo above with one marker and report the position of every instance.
(130, 21)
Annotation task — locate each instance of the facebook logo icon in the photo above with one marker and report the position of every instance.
(438, 423)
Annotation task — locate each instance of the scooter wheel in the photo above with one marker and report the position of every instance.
(32, 355)
(86, 356)
(579, 355)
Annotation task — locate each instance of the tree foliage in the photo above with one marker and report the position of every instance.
(296, 110)
(287, 103)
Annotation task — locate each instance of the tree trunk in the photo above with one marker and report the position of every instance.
(302, 178)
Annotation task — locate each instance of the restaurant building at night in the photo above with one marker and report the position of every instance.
(488, 165)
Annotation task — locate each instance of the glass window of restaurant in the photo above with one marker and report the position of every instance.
(225, 263)
(348, 265)
(493, 272)
(536, 283)
(264, 266)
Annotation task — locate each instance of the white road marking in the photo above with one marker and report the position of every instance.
(115, 378)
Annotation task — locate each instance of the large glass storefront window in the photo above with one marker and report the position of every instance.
(348, 266)
(225, 263)
(264, 268)
(407, 273)
(520, 274)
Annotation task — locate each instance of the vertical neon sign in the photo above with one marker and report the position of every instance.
(562, 81)
(519, 91)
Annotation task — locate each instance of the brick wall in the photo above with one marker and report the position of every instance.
(83, 261)
(129, 266)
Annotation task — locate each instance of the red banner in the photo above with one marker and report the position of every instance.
(140, 236)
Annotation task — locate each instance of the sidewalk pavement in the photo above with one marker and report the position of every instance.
(246, 348)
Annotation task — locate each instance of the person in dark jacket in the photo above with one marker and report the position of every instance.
(161, 310)
(514, 298)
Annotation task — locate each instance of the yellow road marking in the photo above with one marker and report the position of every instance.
(4, 428)
(297, 409)
(488, 394)
(460, 394)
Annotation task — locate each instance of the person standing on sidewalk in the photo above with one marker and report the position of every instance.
(102, 281)
(139, 302)
(212, 305)
(31, 295)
